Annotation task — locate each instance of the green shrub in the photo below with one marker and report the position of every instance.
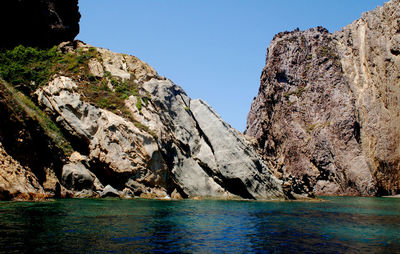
(107, 74)
(139, 104)
(135, 91)
(28, 67)
(114, 82)
(120, 87)
(146, 100)
(91, 77)
(124, 96)
(103, 86)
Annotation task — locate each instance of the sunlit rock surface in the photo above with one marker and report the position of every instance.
(327, 109)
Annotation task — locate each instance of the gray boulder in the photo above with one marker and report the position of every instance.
(76, 176)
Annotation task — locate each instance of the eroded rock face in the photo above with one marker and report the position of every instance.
(305, 117)
(118, 150)
(326, 112)
(164, 145)
(369, 53)
(206, 156)
(39, 23)
(238, 167)
(17, 181)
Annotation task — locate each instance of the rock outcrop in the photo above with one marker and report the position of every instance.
(28, 151)
(327, 109)
(125, 131)
(17, 181)
(39, 23)
(177, 144)
(368, 50)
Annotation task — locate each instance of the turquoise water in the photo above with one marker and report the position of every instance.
(343, 224)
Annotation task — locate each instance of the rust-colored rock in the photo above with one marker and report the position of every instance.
(327, 109)
(369, 53)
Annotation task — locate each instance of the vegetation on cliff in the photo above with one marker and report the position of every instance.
(28, 68)
(86, 122)
(25, 69)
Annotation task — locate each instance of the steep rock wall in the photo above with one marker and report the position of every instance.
(370, 56)
(327, 108)
(304, 117)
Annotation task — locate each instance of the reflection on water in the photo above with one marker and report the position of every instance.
(127, 226)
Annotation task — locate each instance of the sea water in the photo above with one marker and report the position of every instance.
(338, 225)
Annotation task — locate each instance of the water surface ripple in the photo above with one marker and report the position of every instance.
(341, 225)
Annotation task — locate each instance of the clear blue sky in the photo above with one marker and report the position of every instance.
(214, 49)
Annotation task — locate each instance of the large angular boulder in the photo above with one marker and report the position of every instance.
(76, 176)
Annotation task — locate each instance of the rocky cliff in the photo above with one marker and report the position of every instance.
(92, 123)
(327, 109)
(42, 23)
(80, 121)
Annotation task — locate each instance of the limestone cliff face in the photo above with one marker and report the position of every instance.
(327, 108)
(370, 57)
(42, 23)
(122, 130)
